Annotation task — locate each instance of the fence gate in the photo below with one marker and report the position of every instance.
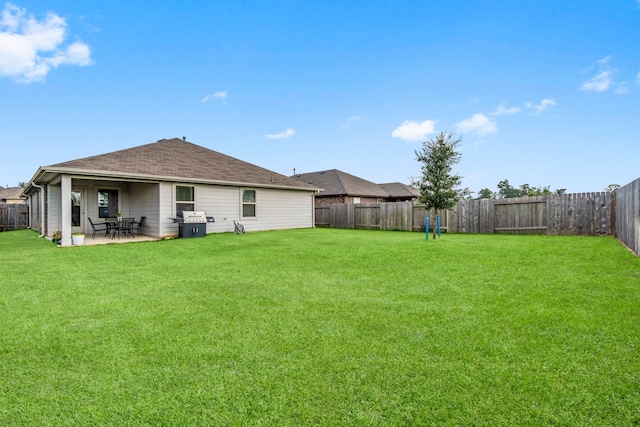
(520, 216)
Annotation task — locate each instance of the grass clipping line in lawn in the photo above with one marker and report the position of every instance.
(320, 327)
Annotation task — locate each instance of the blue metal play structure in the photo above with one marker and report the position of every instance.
(426, 225)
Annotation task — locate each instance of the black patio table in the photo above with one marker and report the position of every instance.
(123, 226)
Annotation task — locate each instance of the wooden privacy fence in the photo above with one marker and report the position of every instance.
(587, 214)
(380, 216)
(627, 218)
(13, 216)
(566, 214)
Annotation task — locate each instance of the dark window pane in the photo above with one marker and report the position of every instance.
(184, 207)
(107, 203)
(248, 196)
(76, 203)
(184, 194)
(248, 210)
(75, 216)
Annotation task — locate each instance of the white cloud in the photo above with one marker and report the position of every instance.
(543, 105)
(479, 124)
(414, 131)
(599, 83)
(29, 48)
(621, 89)
(501, 110)
(351, 120)
(604, 78)
(218, 95)
(282, 135)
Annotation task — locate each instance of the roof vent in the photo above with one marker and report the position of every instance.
(184, 138)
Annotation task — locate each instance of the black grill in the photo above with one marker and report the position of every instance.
(193, 224)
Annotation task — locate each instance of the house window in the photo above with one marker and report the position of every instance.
(107, 203)
(356, 200)
(248, 203)
(185, 199)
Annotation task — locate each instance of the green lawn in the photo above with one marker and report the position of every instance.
(320, 327)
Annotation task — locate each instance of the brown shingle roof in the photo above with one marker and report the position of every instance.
(338, 183)
(399, 190)
(177, 158)
(11, 193)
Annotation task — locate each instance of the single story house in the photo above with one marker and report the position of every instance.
(159, 181)
(399, 192)
(341, 187)
(12, 195)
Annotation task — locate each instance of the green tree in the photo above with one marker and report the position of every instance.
(537, 191)
(439, 187)
(485, 193)
(612, 187)
(508, 191)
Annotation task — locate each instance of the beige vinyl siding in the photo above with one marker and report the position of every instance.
(220, 202)
(275, 209)
(166, 206)
(281, 209)
(147, 200)
(54, 208)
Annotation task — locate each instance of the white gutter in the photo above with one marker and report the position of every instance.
(41, 188)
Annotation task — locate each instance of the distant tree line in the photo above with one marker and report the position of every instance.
(508, 191)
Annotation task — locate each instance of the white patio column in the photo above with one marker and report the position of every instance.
(65, 210)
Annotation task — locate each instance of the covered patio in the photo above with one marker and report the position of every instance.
(73, 203)
(106, 240)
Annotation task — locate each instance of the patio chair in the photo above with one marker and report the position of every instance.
(140, 224)
(238, 228)
(98, 227)
(126, 227)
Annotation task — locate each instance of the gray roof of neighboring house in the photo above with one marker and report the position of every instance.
(337, 183)
(175, 159)
(400, 190)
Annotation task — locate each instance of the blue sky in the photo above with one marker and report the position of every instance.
(542, 92)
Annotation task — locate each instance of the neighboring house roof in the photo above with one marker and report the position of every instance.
(11, 193)
(337, 183)
(173, 159)
(398, 190)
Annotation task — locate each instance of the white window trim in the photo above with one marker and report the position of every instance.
(175, 196)
(242, 203)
